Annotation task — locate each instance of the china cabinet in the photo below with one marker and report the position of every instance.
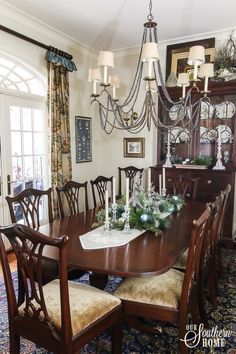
(213, 125)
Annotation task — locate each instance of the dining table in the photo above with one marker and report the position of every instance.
(147, 255)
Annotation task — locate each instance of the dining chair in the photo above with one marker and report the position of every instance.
(130, 172)
(185, 186)
(61, 316)
(170, 296)
(75, 195)
(206, 269)
(31, 202)
(99, 186)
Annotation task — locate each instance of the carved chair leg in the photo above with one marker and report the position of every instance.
(14, 343)
(117, 338)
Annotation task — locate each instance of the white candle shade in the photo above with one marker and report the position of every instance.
(106, 59)
(206, 70)
(183, 79)
(150, 52)
(114, 81)
(113, 190)
(94, 75)
(196, 55)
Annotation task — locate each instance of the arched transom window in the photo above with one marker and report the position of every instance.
(15, 76)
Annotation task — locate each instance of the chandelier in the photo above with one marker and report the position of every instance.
(132, 115)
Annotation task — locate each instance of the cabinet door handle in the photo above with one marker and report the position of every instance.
(209, 181)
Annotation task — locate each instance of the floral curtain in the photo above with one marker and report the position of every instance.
(58, 98)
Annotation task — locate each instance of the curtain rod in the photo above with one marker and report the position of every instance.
(33, 41)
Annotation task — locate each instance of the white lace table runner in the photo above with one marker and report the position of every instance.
(98, 238)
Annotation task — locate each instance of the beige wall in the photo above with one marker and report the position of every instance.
(107, 150)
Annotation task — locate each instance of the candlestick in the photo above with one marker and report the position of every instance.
(219, 165)
(164, 177)
(127, 225)
(113, 190)
(160, 184)
(127, 192)
(168, 162)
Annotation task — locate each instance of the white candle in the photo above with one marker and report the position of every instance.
(160, 184)
(164, 178)
(149, 179)
(106, 206)
(113, 190)
(127, 192)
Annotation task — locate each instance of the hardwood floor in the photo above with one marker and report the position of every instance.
(12, 262)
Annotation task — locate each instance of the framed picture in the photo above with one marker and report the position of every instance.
(83, 139)
(177, 55)
(134, 147)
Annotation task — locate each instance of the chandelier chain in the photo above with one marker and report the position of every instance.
(150, 15)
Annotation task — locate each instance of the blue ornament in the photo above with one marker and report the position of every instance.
(144, 217)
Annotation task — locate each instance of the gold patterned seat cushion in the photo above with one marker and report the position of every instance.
(162, 290)
(181, 261)
(87, 304)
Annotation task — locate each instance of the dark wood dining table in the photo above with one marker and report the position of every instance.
(146, 255)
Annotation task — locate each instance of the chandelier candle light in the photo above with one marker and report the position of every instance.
(132, 115)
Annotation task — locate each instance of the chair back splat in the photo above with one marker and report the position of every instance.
(30, 202)
(73, 193)
(130, 172)
(54, 316)
(99, 186)
(185, 186)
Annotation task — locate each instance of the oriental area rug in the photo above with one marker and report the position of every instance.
(166, 339)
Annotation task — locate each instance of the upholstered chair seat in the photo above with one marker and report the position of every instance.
(87, 304)
(162, 290)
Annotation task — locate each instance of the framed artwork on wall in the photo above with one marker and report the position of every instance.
(177, 55)
(134, 147)
(83, 139)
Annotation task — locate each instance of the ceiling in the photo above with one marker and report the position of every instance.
(116, 24)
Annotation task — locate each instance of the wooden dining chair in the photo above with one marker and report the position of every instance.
(99, 186)
(61, 316)
(130, 172)
(170, 296)
(73, 193)
(31, 202)
(207, 271)
(185, 186)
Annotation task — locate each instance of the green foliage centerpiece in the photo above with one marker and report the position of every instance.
(148, 211)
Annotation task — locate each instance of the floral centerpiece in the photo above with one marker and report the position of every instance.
(147, 211)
